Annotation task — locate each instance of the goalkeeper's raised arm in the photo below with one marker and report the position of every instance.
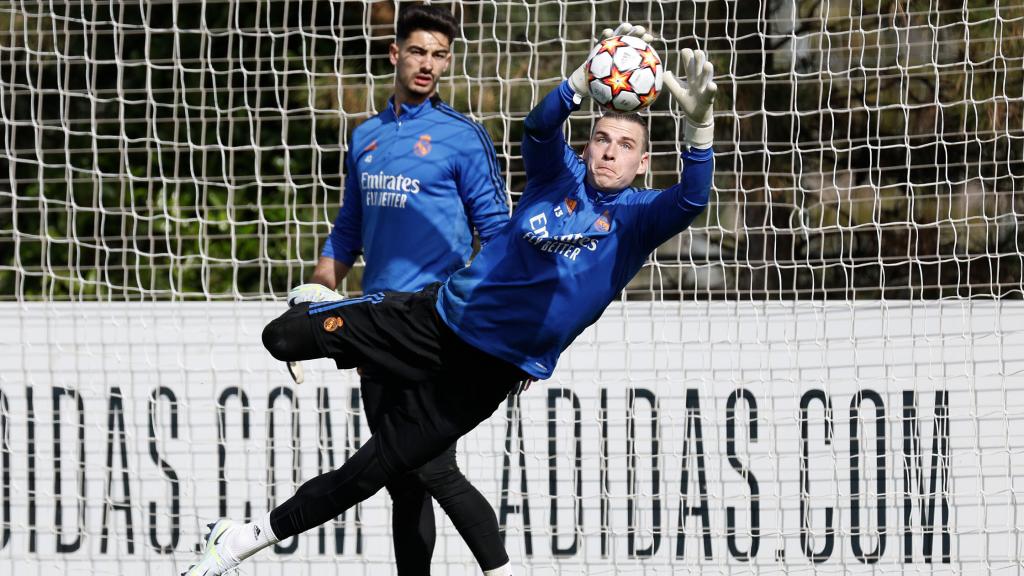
(608, 170)
(674, 209)
(581, 230)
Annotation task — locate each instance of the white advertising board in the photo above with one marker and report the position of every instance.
(776, 438)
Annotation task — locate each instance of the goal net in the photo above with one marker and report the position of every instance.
(817, 376)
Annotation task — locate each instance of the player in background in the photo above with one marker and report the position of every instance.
(579, 234)
(419, 178)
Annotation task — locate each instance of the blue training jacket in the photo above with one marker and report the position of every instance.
(415, 187)
(568, 251)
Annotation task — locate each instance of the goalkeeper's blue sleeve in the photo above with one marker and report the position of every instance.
(546, 155)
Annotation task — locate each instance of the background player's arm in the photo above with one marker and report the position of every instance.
(337, 256)
(482, 188)
(329, 272)
(345, 240)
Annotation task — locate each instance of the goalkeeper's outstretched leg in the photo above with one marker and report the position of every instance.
(448, 387)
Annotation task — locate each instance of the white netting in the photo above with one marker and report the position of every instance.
(193, 150)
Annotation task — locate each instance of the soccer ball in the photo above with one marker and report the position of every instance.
(624, 74)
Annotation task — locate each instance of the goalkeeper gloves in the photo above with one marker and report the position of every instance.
(578, 79)
(695, 98)
(312, 293)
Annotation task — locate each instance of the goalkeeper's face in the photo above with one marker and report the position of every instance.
(419, 62)
(615, 155)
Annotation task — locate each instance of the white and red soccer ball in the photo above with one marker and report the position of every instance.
(624, 74)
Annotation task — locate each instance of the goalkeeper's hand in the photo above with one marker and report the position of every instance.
(578, 79)
(311, 293)
(696, 97)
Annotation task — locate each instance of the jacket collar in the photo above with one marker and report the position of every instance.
(412, 111)
(600, 197)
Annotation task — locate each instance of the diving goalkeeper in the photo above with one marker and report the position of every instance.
(580, 232)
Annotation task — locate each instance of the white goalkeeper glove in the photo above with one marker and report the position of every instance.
(312, 293)
(696, 97)
(578, 79)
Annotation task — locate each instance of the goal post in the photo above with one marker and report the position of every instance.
(818, 375)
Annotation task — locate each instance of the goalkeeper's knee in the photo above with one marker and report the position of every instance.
(443, 479)
(289, 337)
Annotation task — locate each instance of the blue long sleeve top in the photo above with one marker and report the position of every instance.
(568, 251)
(416, 185)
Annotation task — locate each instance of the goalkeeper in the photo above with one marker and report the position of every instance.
(578, 235)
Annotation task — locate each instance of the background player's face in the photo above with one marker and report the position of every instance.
(615, 154)
(419, 62)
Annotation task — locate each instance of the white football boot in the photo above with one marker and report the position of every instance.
(216, 559)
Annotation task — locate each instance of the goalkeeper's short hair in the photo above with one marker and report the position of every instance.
(428, 18)
(628, 117)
